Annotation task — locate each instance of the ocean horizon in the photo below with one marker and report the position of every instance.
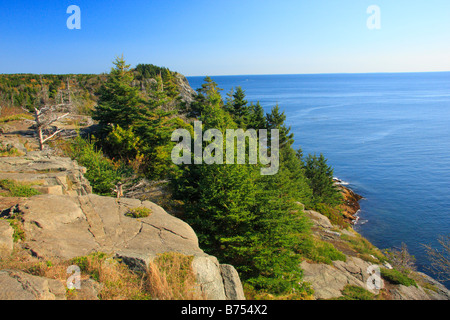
(385, 134)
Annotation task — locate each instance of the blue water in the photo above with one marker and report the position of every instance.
(388, 135)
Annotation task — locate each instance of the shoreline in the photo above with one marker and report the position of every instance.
(350, 207)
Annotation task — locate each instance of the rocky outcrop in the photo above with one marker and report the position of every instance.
(48, 174)
(6, 238)
(64, 227)
(329, 280)
(187, 94)
(18, 285)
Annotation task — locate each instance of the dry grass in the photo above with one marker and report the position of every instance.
(169, 277)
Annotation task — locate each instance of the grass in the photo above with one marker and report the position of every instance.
(396, 277)
(320, 251)
(17, 189)
(356, 293)
(9, 151)
(366, 250)
(169, 276)
(139, 212)
(15, 117)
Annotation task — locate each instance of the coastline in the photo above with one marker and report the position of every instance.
(351, 206)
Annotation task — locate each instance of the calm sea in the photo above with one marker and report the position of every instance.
(387, 135)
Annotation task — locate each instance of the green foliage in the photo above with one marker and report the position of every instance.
(19, 233)
(119, 102)
(90, 264)
(237, 107)
(396, 277)
(139, 212)
(17, 189)
(320, 177)
(137, 127)
(319, 251)
(276, 120)
(256, 118)
(243, 218)
(356, 293)
(101, 172)
(365, 249)
(334, 214)
(122, 143)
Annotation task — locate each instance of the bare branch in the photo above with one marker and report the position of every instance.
(51, 136)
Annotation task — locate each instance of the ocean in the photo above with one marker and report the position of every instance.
(387, 135)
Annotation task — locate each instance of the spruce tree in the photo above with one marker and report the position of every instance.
(320, 179)
(276, 120)
(119, 102)
(257, 119)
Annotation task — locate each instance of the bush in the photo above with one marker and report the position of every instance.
(139, 212)
(101, 172)
(396, 277)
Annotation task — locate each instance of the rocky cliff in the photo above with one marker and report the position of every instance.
(360, 267)
(67, 221)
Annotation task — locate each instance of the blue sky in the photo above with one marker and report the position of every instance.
(217, 37)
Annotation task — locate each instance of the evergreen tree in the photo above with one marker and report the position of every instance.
(119, 101)
(237, 107)
(243, 218)
(257, 119)
(276, 120)
(320, 179)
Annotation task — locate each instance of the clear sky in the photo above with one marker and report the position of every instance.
(218, 37)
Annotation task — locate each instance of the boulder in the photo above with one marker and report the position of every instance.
(209, 278)
(50, 174)
(232, 283)
(319, 219)
(65, 227)
(6, 238)
(18, 285)
(329, 281)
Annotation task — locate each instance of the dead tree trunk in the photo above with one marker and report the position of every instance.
(44, 118)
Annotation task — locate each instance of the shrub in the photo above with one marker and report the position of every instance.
(401, 259)
(139, 212)
(101, 172)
